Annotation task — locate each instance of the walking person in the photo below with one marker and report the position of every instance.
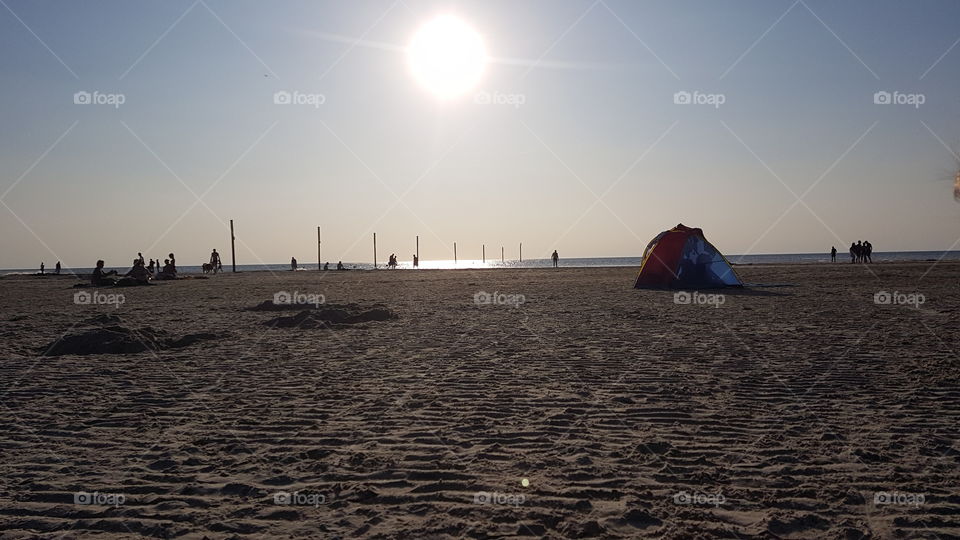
(556, 259)
(833, 253)
(867, 251)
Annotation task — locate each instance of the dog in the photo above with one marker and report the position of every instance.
(207, 268)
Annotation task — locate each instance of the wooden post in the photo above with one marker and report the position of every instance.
(454, 253)
(418, 250)
(484, 254)
(319, 257)
(233, 249)
(374, 250)
(521, 251)
(501, 253)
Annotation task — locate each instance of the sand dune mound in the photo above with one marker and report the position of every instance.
(117, 339)
(331, 318)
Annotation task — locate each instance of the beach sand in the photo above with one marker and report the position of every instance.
(806, 410)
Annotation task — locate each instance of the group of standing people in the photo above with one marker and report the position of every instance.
(860, 251)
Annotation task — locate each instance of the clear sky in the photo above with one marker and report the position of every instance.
(580, 146)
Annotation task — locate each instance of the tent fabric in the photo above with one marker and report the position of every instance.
(682, 258)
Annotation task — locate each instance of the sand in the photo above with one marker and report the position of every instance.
(406, 410)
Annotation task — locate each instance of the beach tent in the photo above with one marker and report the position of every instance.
(681, 258)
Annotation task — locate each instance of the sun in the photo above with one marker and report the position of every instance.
(447, 57)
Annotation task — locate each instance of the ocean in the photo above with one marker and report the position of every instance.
(586, 262)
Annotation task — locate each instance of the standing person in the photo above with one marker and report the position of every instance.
(859, 251)
(833, 253)
(293, 263)
(56, 269)
(215, 261)
(853, 253)
(867, 251)
(140, 259)
(41, 268)
(556, 259)
(416, 261)
(173, 264)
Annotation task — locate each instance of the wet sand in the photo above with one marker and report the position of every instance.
(806, 410)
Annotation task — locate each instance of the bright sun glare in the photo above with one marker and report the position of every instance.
(447, 56)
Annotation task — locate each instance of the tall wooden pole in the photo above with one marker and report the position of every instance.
(233, 249)
(319, 257)
(454, 253)
(521, 251)
(418, 249)
(501, 253)
(374, 250)
(484, 254)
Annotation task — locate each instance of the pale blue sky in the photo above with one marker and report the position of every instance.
(799, 101)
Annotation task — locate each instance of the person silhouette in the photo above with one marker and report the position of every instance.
(293, 263)
(56, 269)
(556, 259)
(833, 254)
(853, 253)
(416, 261)
(867, 251)
(326, 266)
(339, 265)
(41, 268)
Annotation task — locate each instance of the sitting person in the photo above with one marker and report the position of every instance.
(169, 271)
(138, 275)
(101, 278)
(339, 265)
